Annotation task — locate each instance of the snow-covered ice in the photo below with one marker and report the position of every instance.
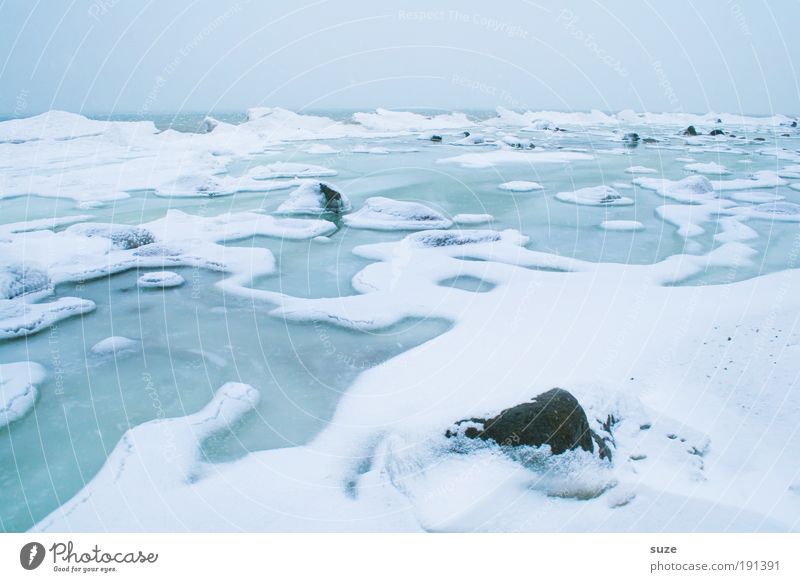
(595, 196)
(18, 393)
(520, 186)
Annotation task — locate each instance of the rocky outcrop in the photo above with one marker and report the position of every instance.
(690, 130)
(716, 132)
(554, 418)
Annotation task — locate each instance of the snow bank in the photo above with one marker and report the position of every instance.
(386, 214)
(641, 170)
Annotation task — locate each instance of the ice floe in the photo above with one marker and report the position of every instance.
(707, 168)
(621, 225)
(386, 214)
(692, 189)
(520, 186)
(595, 196)
(641, 170)
(159, 280)
(289, 170)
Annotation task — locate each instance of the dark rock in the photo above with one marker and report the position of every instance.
(716, 132)
(759, 139)
(436, 138)
(785, 135)
(631, 139)
(466, 134)
(793, 124)
(719, 120)
(554, 418)
(690, 130)
(650, 140)
(333, 200)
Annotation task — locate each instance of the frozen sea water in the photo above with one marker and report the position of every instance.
(197, 337)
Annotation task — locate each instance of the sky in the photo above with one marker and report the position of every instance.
(146, 57)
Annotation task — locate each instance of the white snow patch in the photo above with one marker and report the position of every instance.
(18, 389)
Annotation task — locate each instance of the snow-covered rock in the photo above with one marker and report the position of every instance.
(315, 198)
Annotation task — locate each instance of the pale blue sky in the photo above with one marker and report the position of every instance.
(148, 57)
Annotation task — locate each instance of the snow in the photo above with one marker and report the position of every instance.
(470, 219)
(707, 168)
(399, 121)
(159, 280)
(386, 214)
(520, 186)
(115, 346)
(689, 218)
(503, 157)
(761, 179)
(384, 463)
(289, 170)
(595, 196)
(19, 318)
(698, 346)
(621, 225)
(641, 170)
(692, 189)
(319, 149)
(18, 389)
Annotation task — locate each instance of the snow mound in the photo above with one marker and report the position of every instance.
(386, 214)
(318, 149)
(160, 280)
(114, 346)
(18, 393)
(520, 186)
(595, 196)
